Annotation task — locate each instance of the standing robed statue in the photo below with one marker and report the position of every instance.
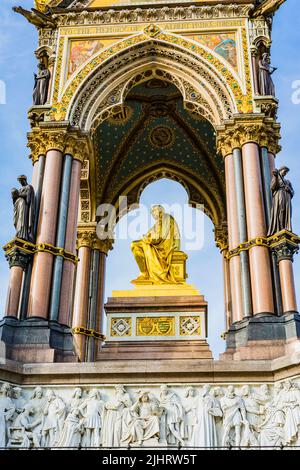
(283, 192)
(24, 210)
(41, 85)
(266, 85)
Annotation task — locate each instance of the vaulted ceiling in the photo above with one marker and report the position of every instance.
(153, 136)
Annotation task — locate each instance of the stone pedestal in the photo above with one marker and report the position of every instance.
(36, 340)
(263, 337)
(156, 322)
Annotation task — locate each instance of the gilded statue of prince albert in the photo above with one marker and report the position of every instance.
(153, 253)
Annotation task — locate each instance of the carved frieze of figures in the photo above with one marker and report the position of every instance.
(197, 416)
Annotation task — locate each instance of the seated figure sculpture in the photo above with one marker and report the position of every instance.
(144, 425)
(153, 253)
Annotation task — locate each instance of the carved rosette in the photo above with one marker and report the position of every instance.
(41, 140)
(258, 129)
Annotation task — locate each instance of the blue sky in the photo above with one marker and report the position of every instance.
(18, 40)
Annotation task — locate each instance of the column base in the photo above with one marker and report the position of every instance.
(35, 340)
(263, 337)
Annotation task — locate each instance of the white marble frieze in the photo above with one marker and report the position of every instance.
(157, 416)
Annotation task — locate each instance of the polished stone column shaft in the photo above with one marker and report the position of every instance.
(287, 286)
(93, 303)
(60, 237)
(67, 283)
(242, 227)
(233, 239)
(14, 291)
(260, 269)
(37, 183)
(227, 291)
(40, 286)
(268, 166)
(101, 291)
(81, 301)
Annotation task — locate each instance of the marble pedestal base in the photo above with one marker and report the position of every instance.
(155, 350)
(36, 340)
(263, 337)
(156, 327)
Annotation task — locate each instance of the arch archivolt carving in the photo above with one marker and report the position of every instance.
(207, 107)
(194, 64)
(199, 193)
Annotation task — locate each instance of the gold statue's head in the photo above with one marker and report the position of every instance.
(157, 210)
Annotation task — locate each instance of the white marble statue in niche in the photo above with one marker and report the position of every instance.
(7, 410)
(116, 417)
(54, 415)
(172, 419)
(234, 418)
(144, 427)
(92, 411)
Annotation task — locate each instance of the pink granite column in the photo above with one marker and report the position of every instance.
(260, 268)
(101, 291)
(42, 265)
(233, 239)
(67, 285)
(35, 174)
(81, 301)
(227, 291)
(14, 291)
(287, 286)
(271, 163)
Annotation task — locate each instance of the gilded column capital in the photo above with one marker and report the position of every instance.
(63, 138)
(221, 237)
(85, 238)
(104, 246)
(285, 244)
(78, 146)
(40, 141)
(237, 132)
(88, 238)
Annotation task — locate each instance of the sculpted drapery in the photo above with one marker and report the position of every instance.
(24, 210)
(153, 253)
(283, 192)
